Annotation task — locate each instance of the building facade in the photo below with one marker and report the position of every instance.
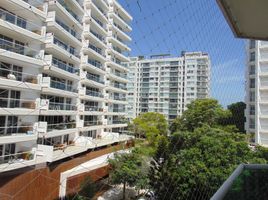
(62, 81)
(167, 84)
(257, 90)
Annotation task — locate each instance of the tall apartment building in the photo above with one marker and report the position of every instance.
(257, 91)
(167, 84)
(62, 82)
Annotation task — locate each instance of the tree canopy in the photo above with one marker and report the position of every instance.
(197, 163)
(198, 113)
(127, 169)
(150, 125)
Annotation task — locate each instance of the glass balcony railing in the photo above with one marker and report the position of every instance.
(119, 86)
(16, 130)
(17, 75)
(98, 22)
(64, 66)
(69, 10)
(121, 75)
(17, 157)
(120, 98)
(100, 37)
(14, 19)
(61, 106)
(92, 123)
(61, 86)
(17, 103)
(95, 78)
(66, 47)
(18, 48)
(93, 108)
(94, 94)
(117, 110)
(96, 63)
(61, 126)
(68, 29)
(96, 49)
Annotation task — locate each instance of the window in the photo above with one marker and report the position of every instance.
(252, 69)
(252, 96)
(252, 83)
(252, 110)
(252, 124)
(252, 44)
(252, 56)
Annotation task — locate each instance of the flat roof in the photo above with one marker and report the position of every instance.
(247, 18)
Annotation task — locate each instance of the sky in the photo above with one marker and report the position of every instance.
(172, 26)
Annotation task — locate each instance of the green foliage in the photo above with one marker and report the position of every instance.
(128, 169)
(150, 125)
(88, 188)
(238, 116)
(199, 162)
(198, 113)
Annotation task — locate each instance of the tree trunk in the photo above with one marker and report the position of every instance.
(124, 191)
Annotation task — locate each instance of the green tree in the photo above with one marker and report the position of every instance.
(198, 162)
(126, 169)
(150, 125)
(238, 116)
(198, 113)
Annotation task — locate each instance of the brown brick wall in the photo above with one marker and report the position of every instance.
(44, 183)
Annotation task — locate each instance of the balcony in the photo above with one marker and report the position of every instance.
(61, 86)
(95, 51)
(93, 108)
(95, 78)
(66, 47)
(119, 86)
(10, 78)
(92, 123)
(23, 27)
(60, 126)
(94, 94)
(11, 106)
(96, 64)
(62, 106)
(69, 10)
(17, 160)
(29, 55)
(64, 66)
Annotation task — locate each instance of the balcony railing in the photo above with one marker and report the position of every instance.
(68, 29)
(69, 10)
(66, 47)
(96, 49)
(121, 75)
(61, 86)
(117, 110)
(116, 122)
(98, 22)
(100, 37)
(120, 98)
(95, 78)
(94, 94)
(93, 108)
(20, 49)
(61, 126)
(17, 75)
(64, 66)
(119, 86)
(17, 103)
(14, 19)
(96, 63)
(92, 123)
(17, 157)
(16, 130)
(61, 106)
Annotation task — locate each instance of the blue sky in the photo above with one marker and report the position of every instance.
(170, 26)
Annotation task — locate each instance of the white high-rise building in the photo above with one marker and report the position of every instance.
(62, 82)
(167, 84)
(257, 91)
